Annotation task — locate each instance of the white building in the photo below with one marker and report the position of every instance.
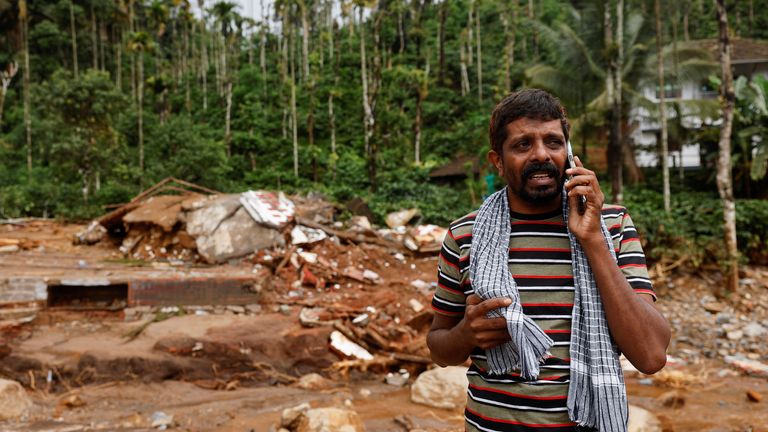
(749, 57)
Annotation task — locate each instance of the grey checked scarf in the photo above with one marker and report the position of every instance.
(597, 396)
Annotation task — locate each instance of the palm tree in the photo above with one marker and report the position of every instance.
(579, 54)
(140, 42)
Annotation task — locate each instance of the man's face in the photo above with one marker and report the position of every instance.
(532, 161)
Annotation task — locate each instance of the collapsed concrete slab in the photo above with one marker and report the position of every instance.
(223, 230)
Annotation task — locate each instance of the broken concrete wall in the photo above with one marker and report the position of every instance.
(23, 290)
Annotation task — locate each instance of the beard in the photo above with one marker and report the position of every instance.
(541, 194)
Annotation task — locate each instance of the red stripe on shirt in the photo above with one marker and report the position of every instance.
(632, 265)
(543, 425)
(455, 291)
(539, 249)
(547, 304)
(538, 223)
(522, 396)
(556, 331)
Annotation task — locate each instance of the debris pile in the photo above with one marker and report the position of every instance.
(180, 222)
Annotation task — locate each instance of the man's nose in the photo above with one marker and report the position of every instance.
(539, 152)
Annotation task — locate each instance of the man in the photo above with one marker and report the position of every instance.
(543, 329)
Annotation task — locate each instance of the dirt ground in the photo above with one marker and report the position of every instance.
(236, 368)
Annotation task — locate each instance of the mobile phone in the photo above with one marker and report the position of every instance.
(583, 200)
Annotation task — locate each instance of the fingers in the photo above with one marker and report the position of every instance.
(577, 161)
(491, 304)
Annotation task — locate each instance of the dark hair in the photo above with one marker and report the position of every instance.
(531, 103)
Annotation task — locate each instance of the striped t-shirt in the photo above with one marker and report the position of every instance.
(540, 262)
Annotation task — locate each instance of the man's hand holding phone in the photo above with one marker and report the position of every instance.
(585, 200)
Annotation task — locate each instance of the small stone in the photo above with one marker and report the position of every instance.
(291, 416)
(754, 396)
(714, 307)
(754, 330)
(365, 392)
(314, 381)
(398, 379)
(236, 309)
(645, 381)
(735, 335)
(723, 318)
(161, 420)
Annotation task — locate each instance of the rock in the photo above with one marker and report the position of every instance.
(329, 420)
(750, 367)
(314, 381)
(754, 330)
(735, 335)
(161, 420)
(9, 249)
(416, 305)
(14, 401)
(754, 396)
(672, 399)
(641, 420)
(441, 388)
(398, 379)
(291, 416)
(723, 318)
(714, 307)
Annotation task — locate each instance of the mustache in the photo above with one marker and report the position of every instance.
(546, 167)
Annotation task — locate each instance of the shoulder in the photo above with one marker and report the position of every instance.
(614, 211)
(463, 225)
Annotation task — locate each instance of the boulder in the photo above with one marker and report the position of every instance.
(642, 420)
(14, 401)
(330, 420)
(441, 388)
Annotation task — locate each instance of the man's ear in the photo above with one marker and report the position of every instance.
(495, 159)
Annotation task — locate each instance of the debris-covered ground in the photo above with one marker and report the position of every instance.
(325, 313)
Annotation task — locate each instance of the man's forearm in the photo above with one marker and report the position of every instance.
(641, 332)
(447, 347)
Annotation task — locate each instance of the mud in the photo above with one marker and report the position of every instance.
(235, 369)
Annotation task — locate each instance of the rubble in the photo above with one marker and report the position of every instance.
(304, 419)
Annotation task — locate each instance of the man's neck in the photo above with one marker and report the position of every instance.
(519, 205)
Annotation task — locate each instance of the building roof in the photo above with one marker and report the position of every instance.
(457, 167)
(743, 50)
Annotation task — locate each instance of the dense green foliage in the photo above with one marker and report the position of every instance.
(125, 93)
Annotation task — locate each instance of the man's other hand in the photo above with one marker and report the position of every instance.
(479, 330)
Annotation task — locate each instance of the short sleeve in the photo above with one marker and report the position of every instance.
(449, 298)
(629, 250)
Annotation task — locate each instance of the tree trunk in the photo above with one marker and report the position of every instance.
(463, 58)
(24, 18)
(509, 44)
(294, 125)
(263, 50)
(400, 30)
(479, 56)
(686, 13)
(662, 108)
(441, 42)
(470, 34)
(7, 75)
(367, 111)
(535, 34)
(140, 96)
(203, 54)
(304, 41)
(332, 125)
(74, 37)
(422, 90)
(119, 60)
(615, 158)
(227, 120)
(724, 180)
(94, 39)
